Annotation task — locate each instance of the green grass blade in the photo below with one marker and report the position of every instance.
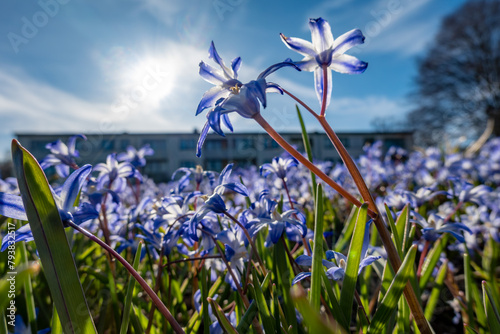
(24, 273)
(130, 292)
(396, 235)
(311, 317)
(55, 323)
(28, 292)
(432, 259)
(468, 290)
(391, 298)
(317, 266)
(247, 319)
(353, 260)
(307, 146)
(223, 321)
(265, 314)
(335, 306)
(50, 238)
(491, 309)
(204, 300)
(346, 234)
(436, 291)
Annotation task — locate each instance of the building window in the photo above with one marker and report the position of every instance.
(124, 143)
(108, 144)
(298, 143)
(270, 143)
(215, 164)
(38, 146)
(188, 164)
(397, 142)
(156, 167)
(158, 145)
(215, 144)
(187, 144)
(244, 143)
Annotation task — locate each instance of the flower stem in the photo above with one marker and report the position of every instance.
(293, 152)
(159, 304)
(324, 68)
(384, 233)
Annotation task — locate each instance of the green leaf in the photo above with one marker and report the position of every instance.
(52, 245)
(491, 309)
(346, 234)
(391, 298)
(246, 321)
(265, 314)
(311, 317)
(436, 291)
(468, 289)
(307, 146)
(432, 259)
(353, 260)
(223, 321)
(396, 235)
(130, 291)
(317, 258)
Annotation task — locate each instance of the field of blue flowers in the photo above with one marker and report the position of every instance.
(395, 242)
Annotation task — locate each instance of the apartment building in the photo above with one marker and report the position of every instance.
(174, 150)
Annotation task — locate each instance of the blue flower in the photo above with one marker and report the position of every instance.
(136, 157)
(62, 156)
(112, 174)
(278, 166)
(435, 225)
(225, 80)
(336, 270)
(325, 52)
(230, 95)
(12, 205)
(263, 213)
(215, 203)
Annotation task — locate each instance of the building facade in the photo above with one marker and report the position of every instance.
(174, 150)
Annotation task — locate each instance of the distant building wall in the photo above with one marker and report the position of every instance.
(174, 150)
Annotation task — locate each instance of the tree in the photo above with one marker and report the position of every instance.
(458, 83)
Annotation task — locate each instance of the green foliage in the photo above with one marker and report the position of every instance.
(50, 238)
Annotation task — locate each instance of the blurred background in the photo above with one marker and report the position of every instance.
(101, 67)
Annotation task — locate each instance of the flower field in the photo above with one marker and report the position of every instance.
(395, 242)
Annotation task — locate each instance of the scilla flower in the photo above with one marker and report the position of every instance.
(325, 54)
(230, 95)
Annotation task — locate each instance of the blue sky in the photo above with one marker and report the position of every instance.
(77, 66)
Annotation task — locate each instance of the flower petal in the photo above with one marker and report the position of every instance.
(348, 64)
(300, 277)
(335, 273)
(12, 206)
(299, 45)
(235, 65)
(210, 97)
(321, 33)
(348, 40)
(212, 54)
(213, 117)
(319, 82)
(304, 260)
(72, 186)
(211, 74)
(201, 140)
